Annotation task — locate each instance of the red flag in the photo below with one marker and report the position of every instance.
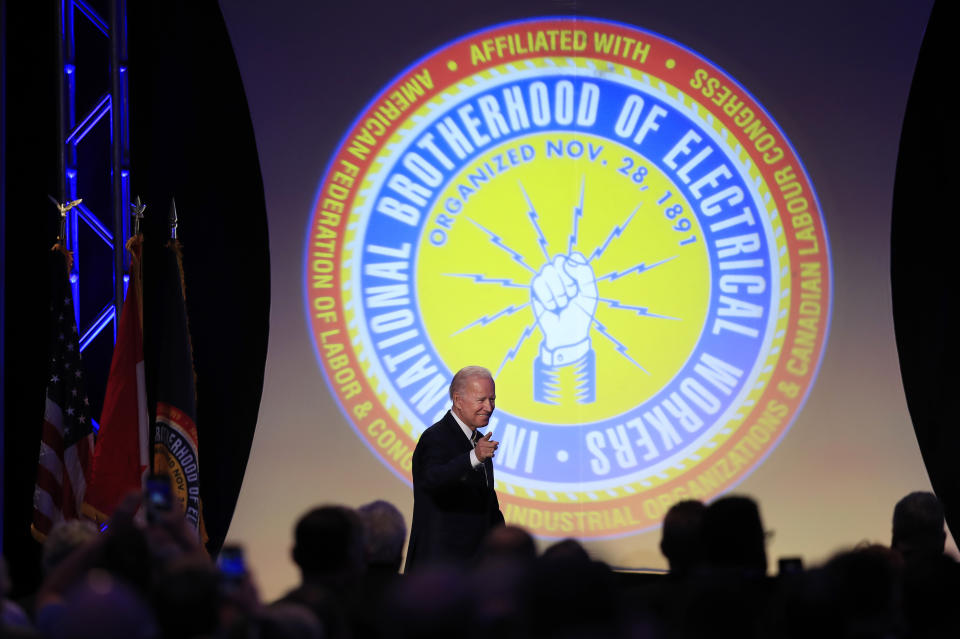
(66, 443)
(120, 460)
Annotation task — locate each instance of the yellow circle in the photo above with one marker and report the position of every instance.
(670, 63)
(451, 65)
(481, 249)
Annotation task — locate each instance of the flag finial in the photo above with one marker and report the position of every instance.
(173, 219)
(137, 214)
(63, 208)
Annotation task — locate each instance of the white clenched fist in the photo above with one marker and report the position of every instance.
(564, 298)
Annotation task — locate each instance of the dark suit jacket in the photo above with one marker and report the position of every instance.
(453, 508)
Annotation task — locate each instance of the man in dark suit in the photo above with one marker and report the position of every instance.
(454, 503)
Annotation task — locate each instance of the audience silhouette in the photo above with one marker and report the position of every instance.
(682, 537)
(153, 580)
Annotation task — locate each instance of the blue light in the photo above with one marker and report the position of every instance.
(95, 115)
(73, 278)
(72, 174)
(95, 224)
(69, 69)
(103, 320)
(93, 17)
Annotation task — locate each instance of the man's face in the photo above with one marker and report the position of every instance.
(474, 404)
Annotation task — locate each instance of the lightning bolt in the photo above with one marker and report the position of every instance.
(486, 319)
(577, 214)
(532, 214)
(621, 348)
(483, 279)
(640, 310)
(513, 351)
(639, 268)
(499, 243)
(617, 230)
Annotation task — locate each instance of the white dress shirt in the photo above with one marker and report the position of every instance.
(474, 462)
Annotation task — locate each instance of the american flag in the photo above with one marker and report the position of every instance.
(66, 444)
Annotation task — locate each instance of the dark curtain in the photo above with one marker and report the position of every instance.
(924, 284)
(192, 138)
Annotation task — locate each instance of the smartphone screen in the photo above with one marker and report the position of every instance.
(157, 495)
(232, 565)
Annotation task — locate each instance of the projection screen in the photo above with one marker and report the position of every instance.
(664, 231)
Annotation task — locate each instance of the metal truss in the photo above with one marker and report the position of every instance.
(95, 161)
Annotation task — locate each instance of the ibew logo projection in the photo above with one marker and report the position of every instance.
(610, 224)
